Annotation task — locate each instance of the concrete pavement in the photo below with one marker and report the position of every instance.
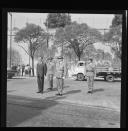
(106, 94)
(76, 108)
(31, 112)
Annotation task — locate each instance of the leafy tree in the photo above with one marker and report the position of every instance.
(15, 29)
(77, 37)
(42, 51)
(56, 20)
(114, 36)
(107, 56)
(52, 50)
(33, 36)
(117, 20)
(90, 51)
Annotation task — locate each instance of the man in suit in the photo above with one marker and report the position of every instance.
(41, 71)
(90, 73)
(60, 75)
(23, 68)
(50, 72)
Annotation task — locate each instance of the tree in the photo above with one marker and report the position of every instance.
(56, 20)
(15, 57)
(77, 37)
(32, 35)
(117, 20)
(107, 56)
(114, 36)
(90, 51)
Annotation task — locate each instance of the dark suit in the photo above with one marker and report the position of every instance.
(41, 70)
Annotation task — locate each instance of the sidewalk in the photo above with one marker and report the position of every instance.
(106, 95)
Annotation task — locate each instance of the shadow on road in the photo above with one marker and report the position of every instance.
(72, 92)
(21, 109)
(10, 91)
(55, 89)
(97, 90)
(102, 80)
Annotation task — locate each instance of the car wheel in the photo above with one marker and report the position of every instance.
(80, 76)
(110, 78)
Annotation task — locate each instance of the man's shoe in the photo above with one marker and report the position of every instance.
(89, 92)
(50, 89)
(57, 94)
(38, 92)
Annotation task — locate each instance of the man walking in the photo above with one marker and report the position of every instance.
(41, 70)
(60, 75)
(29, 70)
(18, 70)
(50, 72)
(90, 73)
(23, 68)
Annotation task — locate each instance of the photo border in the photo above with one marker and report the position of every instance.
(124, 58)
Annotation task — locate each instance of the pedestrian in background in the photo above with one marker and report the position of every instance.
(26, 70)
(14, 67)
(50, 72)
(60, 75)
(18, 70)
(23, 68)
(41, 71)
(90, 73)
(29, 70)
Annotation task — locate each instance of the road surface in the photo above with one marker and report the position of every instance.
(75, 108)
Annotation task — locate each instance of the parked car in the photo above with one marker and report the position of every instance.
(80, 70)
(11, 73)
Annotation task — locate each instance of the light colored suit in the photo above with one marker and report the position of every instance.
(50, 73)
(90, 73)
(59, 76)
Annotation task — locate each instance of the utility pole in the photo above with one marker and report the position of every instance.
(10, 39)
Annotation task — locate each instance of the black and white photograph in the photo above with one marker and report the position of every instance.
(64, 69)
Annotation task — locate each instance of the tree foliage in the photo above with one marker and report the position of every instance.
(77, 37)
(117, 20)
(32, 35)
(56, 20)
(114, 36)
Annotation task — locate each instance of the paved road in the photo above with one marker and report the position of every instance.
(24, 112)
(74, 109)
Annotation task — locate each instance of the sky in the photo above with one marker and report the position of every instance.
(98, 21)
(93, 20)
